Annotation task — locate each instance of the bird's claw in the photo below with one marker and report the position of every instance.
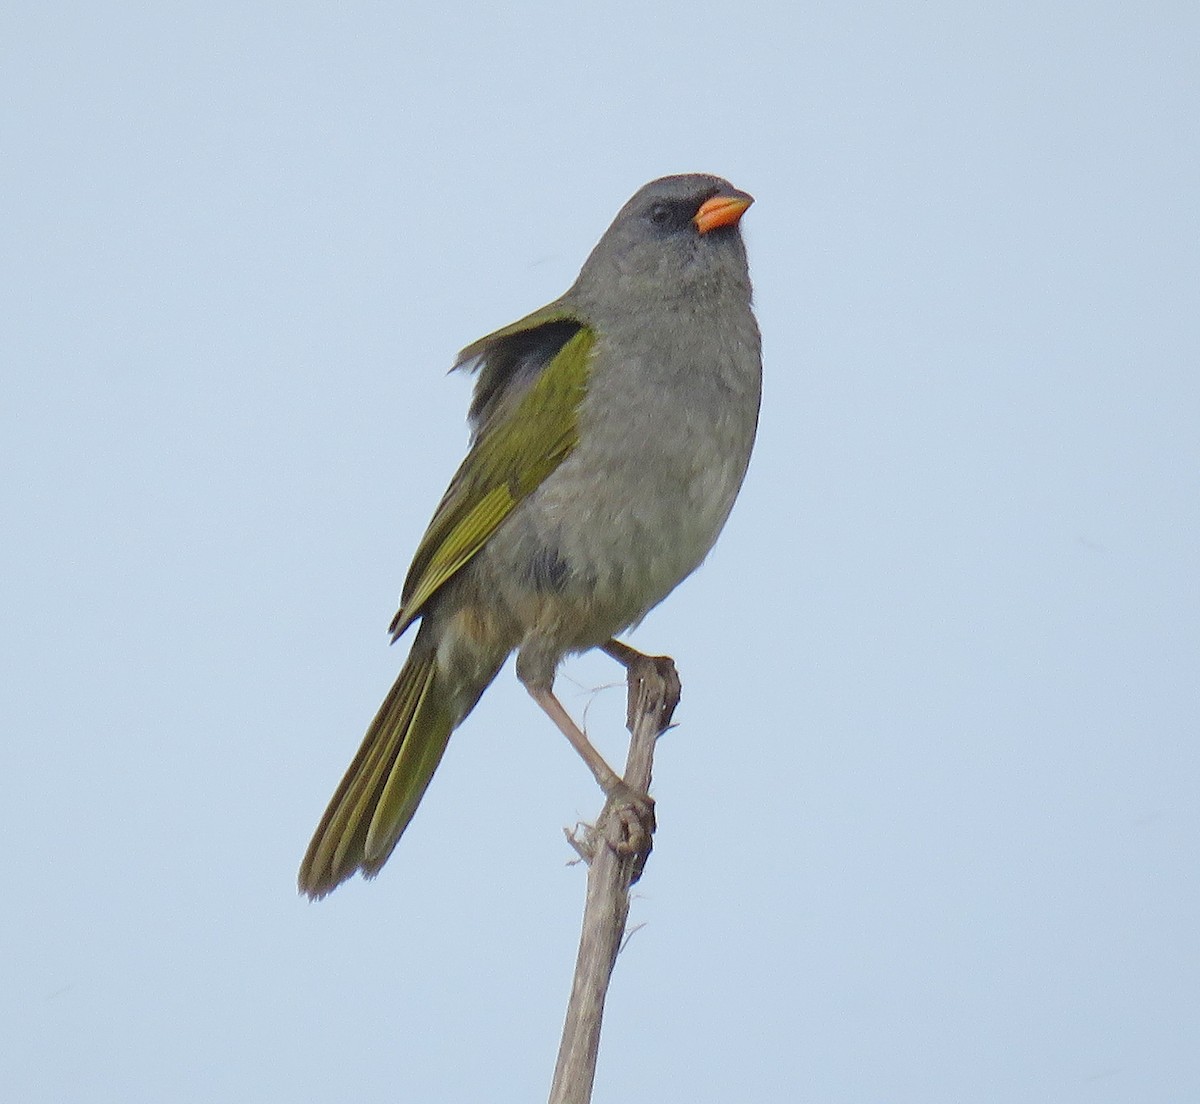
(631, 824)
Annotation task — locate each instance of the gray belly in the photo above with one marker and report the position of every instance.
(664, 440)
(611, 533)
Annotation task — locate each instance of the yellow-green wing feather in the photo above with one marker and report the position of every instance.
(511, 456)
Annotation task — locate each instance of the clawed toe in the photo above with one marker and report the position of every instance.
(632, 813)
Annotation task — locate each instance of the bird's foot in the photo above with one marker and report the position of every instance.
(642, 667)
(629, 824)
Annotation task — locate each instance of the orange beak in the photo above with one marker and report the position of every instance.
(721, 210)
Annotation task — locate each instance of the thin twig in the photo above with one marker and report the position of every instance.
(616, 849)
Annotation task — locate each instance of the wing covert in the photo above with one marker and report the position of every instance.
(517, 444)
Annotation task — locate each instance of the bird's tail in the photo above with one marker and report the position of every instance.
(383, 786)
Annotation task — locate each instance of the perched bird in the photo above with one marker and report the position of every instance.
(610, 433)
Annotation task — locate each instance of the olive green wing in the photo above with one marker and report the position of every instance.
(525, 420)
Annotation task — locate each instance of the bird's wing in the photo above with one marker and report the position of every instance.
(532, 378)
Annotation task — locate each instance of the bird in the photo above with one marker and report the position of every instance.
(610, 432)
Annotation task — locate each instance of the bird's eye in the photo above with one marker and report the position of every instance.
(662, 214)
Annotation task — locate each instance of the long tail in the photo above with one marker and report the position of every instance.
(383, 786)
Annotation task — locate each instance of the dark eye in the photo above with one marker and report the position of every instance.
(666, 216)
(662, 214)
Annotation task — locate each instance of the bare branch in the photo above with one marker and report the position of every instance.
(616, 850)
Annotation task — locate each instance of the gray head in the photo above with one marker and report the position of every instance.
(677, 237)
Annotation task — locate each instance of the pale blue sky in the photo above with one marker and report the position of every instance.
(929, 823)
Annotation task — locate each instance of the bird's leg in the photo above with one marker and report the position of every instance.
(608, 778)
(634, 811)
(623, 653)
